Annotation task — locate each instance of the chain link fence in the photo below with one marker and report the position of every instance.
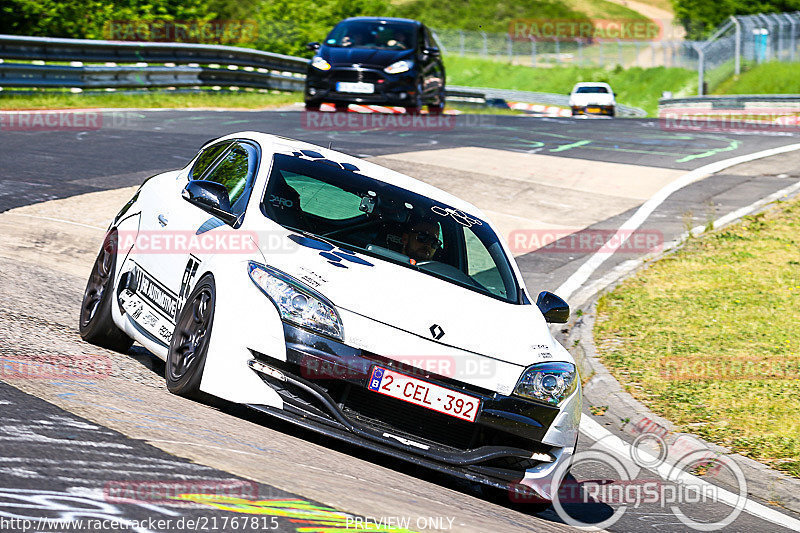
(745, 41)
(568, 52)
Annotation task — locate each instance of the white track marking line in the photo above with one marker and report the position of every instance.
(621, 448)
(580, 276)
(583, 295)
(594, 430)
(51, 219)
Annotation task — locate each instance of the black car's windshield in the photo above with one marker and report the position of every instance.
(321, 198)
(381, 35)
(593, 90)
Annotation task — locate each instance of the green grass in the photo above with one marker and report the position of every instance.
(635, 86)
(153, 99)
(767, 78)
(206, 99)
(709, 338)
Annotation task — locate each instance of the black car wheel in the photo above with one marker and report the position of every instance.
(96, 325)
(189, 345)
(438, 107)
(312, 106)
(415, 106)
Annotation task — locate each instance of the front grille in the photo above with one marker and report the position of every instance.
(368, 76)
(389, 414)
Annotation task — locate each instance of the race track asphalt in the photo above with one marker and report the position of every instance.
(71, 442)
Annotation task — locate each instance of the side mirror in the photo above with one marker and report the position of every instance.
(313, 46)
(210, 196)
(433, 52)
(554, 309)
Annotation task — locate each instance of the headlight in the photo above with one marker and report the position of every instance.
(320, 63)
(399, 66)
(297, 303)
(547, 382)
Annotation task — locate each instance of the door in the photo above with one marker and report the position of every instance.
(176, 237)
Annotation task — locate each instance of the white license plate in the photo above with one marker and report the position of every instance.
(419, 392)
(355, 87)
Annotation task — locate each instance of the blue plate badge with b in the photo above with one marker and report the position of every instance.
(375, 379)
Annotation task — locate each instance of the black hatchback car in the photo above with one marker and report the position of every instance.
(382, 61)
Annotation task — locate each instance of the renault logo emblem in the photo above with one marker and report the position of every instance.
(437, 331)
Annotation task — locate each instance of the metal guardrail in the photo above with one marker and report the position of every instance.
(202, 65)
(96, 77)
(97, 51)
(737, 101)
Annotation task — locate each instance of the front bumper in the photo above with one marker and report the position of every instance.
(607, 110)
(390, 89)
(323, 387)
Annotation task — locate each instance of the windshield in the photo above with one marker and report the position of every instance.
(594, 90)
(377, 34)
(322, 199)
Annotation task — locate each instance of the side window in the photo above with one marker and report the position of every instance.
(481, 266)
(206, 159)
(321, 199)
(420, 40)
(235, 171)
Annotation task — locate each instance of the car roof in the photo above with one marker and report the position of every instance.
(591, 84)
(387, 19)
(278, 144)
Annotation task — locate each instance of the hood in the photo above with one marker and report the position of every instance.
(370, 57)
(591, 98)
(414, 302)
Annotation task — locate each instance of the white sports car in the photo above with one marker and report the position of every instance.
(346, 298)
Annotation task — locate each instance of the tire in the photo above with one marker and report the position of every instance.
(437, 108)
(189, 345)
(415, 107)
(95, 323)
(312, 106)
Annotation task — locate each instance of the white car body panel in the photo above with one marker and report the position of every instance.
(586, 99)
(385, 308)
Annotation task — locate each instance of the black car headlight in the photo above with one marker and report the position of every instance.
(296, 303)
(547, 382)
